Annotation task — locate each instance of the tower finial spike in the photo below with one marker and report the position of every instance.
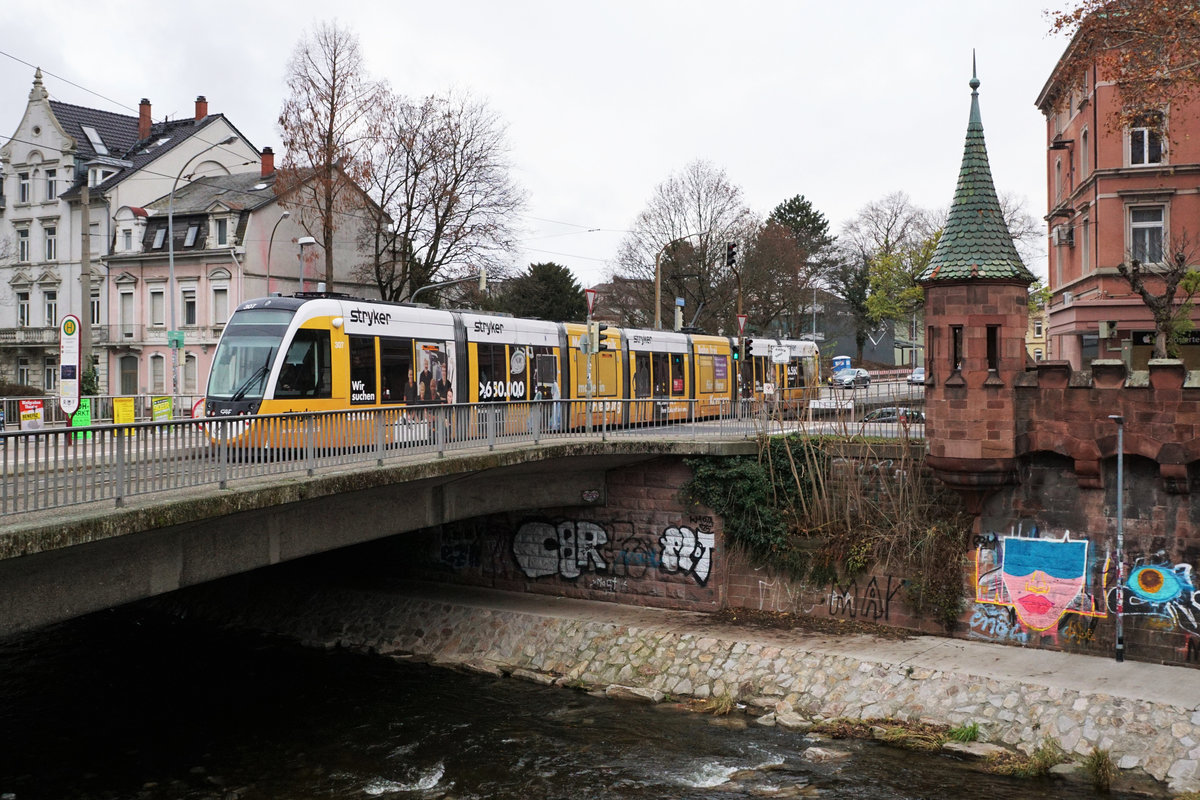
(974, 75)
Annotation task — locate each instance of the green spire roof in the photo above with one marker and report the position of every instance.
(975, 242)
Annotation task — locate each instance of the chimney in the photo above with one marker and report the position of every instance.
(268, 161)
(201, 108)
(144, 119)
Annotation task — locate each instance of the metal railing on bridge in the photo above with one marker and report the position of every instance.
(56, 467)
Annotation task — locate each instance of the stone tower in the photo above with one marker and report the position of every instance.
(976, 308)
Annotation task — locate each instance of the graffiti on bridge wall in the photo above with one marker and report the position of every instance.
(1162, 592)
(871, 602)
(1062, 588)
(570, 548)
(1040, 579)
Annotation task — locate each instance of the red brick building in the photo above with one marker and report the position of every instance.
(1112, 195)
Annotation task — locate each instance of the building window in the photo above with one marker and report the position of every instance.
(51, 307)
(22, 187)
(190, 239)
(51, 184)
(160, 236)
(127, 240)
(94, 138)
(1145, 140)
(220, 304)
(189, 306)
(50, 242)
(23, 245)
(158, 374)
(23, 309)
(157, 304)
(1037, 354)
(956, 347)
(50, 374)
(222, 232)
(1037, 328)
(993, 347)
(23, 371)
(125, 316)
(191, 371)
(1146, 234)
(1083, 154)
(95, 304)
(1058, 181)
(127, 367)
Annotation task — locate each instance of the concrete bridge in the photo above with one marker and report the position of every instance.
(59, 564)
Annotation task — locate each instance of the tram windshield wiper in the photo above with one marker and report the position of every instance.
(257, 375)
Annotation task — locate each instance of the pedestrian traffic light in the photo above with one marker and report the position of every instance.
(731, 254)
(602, 338)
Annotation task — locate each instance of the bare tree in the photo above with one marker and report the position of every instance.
(442, 181)
(1159, 285)
(882, 233)
(326, 128)
(690, 218)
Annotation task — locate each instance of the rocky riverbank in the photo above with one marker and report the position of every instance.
(1078, 703)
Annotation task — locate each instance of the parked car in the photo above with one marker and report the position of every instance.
(908, 416)
(897, 414)
(851, 377)
(917, 377)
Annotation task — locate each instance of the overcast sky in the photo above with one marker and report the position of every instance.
(841, 102)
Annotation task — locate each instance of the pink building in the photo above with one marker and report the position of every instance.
(1112, 195)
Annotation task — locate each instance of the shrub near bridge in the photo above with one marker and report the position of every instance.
(816, 508)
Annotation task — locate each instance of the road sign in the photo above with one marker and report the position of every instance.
(175, 339)
(779, 354)
(68, 364)
(591, 300)
(742, 323)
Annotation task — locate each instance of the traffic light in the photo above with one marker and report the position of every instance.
(747, 344)
(731, 254)
(602, 340)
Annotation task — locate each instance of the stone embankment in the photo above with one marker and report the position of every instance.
(1146, 716)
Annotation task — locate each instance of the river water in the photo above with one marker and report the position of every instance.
(132, 704)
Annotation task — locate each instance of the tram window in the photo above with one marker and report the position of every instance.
(720, 373)
(362, 370)
(678, 386)
(704, 374)
(661, 373)
(306, 367)
(641, 374)
(396, 369)
(545, 374)
(492, 374)
(795, 376)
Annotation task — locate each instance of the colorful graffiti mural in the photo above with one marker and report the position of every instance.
(570, 548)
(1163, 592)
(1040, 579)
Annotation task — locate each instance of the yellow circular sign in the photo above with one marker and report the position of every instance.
(69, 327)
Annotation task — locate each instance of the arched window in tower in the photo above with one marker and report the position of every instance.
(956, 347)
(993, 347)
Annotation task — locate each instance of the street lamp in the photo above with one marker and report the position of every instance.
(271, 243)
(174, 339)
(303, 241)
(658, 277)
(1120, 643)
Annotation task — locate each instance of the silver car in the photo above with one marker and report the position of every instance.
(851, 377)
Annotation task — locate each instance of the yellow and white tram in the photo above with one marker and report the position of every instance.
(328, 352)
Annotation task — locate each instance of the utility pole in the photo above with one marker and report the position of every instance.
(85, 283)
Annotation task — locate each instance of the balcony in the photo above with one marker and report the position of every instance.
(21, 337)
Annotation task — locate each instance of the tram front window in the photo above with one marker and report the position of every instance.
(244, 357)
